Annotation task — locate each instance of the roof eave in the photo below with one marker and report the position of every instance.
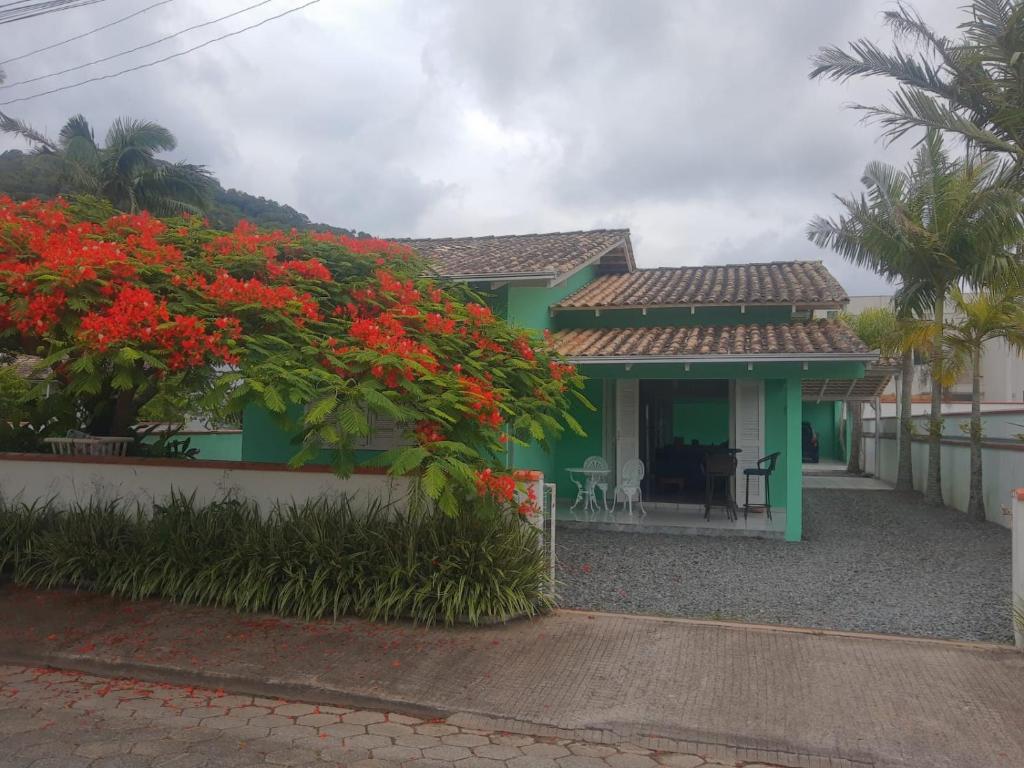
(703, 305)
(500, 276)
(807, 357)
(623, 243)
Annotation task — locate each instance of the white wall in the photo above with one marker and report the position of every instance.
(1002, 465)
(71, 481)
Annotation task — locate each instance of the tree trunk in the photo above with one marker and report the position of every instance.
(976, 504)
(856, 431)
(905, 462)
(933, 490)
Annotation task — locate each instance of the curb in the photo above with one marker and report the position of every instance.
(268, 689)
(976, 645)
(767, 757)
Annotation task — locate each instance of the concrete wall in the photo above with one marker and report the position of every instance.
(1002, 459)
(76, 479)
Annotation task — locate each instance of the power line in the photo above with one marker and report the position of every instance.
(131, 50)
(29, 9)
(158, 61)
(86, 34)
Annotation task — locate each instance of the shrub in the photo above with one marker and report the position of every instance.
(314, 560)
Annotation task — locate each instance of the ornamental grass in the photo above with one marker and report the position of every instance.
(318, 559)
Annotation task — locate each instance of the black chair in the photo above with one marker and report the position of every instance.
(719, 466)
(764, 469)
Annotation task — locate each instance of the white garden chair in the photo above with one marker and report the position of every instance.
(589, 479)
(629, 486)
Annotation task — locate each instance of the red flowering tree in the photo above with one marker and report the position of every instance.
(321, 329)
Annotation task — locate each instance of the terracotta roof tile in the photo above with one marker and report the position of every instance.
(554, 253)
(803, 283)
(799, 338)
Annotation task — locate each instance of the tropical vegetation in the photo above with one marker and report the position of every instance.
(125, 169)
(937, 224)
(325, 331)
(881, 329)
(320, 559)
(25, 175)
(991, 314)
(972, 86)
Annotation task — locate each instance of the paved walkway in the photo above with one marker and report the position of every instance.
(51, 717)
(759, 694)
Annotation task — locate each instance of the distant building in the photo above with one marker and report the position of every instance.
(1002, 370)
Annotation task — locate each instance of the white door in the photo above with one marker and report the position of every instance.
(748, 435)
(627, 423)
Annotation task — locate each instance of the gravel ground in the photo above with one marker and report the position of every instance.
(871, 561)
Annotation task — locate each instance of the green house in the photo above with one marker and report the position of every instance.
(681, 362)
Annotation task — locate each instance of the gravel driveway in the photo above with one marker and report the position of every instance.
(871, 561)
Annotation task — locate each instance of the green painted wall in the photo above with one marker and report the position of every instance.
(674, 316)
(822, 417)
(572, 450)
(529, 305)
(706, 421)
(792, 471)
(221, 446)
(264, 438)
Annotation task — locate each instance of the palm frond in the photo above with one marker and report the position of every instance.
(20, 128)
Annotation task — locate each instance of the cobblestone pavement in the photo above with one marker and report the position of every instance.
(51, 718)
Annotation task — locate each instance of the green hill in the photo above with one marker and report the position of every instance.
(27, 174)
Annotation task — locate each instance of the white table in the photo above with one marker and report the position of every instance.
(591, 479)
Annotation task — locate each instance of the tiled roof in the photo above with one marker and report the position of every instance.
(813, 337)
(547, 255)
(803, 283)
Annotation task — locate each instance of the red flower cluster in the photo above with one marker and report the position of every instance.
(226, 289)
(502, 488)
(137, 317)
(482, 399)
(429, 432)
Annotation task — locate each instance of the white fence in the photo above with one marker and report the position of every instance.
(1002, 458)
(76, 479)
(1018, 565)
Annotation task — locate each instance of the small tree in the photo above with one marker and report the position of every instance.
(996, 313)
(321, 329)
(879, 330)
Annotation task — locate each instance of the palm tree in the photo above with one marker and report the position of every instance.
(972, 86)
(880, 329)
(928, 227)
(125, 169)
(993, 313)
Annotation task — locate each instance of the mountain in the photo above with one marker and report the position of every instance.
(27, 174)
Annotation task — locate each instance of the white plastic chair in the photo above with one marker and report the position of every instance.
(629, 486)
(597, 463)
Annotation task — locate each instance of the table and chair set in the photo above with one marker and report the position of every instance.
(719, 470)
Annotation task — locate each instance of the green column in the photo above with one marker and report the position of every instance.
(794, 462)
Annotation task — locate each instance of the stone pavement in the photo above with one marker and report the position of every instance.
(755, 694)
(51, 717)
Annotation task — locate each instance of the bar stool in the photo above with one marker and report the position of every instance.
(719, 466)
(764, 468)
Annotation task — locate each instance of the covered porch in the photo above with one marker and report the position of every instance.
(683, 416)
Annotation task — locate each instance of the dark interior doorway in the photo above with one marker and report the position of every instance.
(680, 423)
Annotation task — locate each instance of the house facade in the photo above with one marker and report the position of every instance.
(679, 361)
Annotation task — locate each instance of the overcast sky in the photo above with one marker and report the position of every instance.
(691, 122)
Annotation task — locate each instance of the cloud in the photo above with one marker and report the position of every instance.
(694, 123)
